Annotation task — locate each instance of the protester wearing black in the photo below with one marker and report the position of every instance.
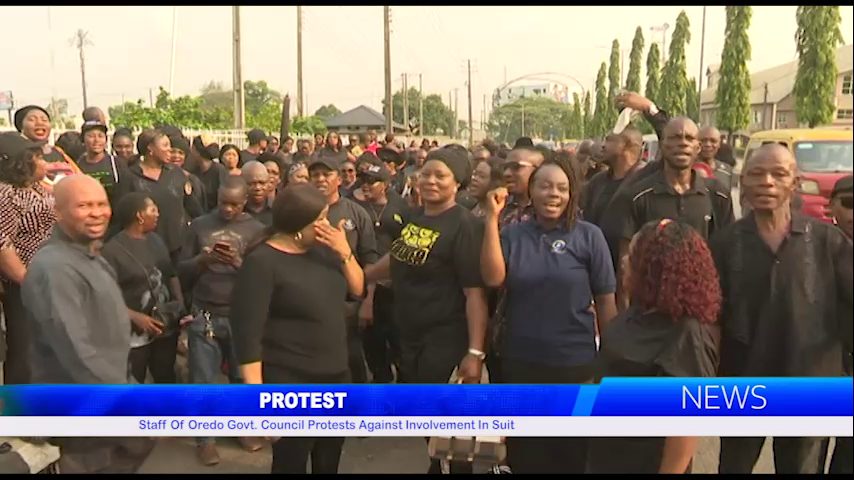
(326, 176)
(180, 153)
(96, 162)
(290, 327)
(786, 279)
(147, 279)
(257, 145)
(258, 184)
(380, 338)
(212, 174)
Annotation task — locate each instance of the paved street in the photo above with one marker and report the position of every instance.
(369, 455)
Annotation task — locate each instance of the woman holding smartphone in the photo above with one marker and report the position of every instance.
(291, 328)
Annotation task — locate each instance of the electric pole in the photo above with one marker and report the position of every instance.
(172, 56)
(300, 97)
(483, 115)
(387, 55)
(456, 112)
(702, 51)
(420, 108)
(405, 103)
(81, 40)
(451, 108)
(471, 125)
(239, 118)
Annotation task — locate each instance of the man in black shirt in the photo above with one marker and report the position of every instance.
(710, 144)
(257, 145)
(674, 191)
(213, 253)
(203, 151)
(325, 174)
(258, 182)
(387, 210)
(785, 278)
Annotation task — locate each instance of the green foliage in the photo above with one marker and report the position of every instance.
(692, 100)
(602, 106)
(576, 119)
(307, 125)
(653, 73)
(543, 118)
(733, 91)
(327, 111)
(588, 116)
(635, 59)
(257, 95)
(817, 38)
(674, 80)
(437, 116)
(610, 112)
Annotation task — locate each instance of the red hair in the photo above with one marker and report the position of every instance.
(672, 271)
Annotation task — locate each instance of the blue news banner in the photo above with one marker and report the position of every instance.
(619, 406)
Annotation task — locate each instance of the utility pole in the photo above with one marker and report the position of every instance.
(300, 97)
(450, 107)
(420, 108)
(239, 118)
(483, 115)
(150, 98)
(387, 55)
(172, 56)
(81, 40)
(456, 112)
(663, 29)
(702, 51)
(405, 103)
(471, 125)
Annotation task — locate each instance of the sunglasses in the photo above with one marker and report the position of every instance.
(348, 170)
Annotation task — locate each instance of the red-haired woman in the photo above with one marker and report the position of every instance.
(668, 331)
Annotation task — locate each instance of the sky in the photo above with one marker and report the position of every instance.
(343, 48)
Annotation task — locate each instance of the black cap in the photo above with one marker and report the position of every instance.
(93, 125)
(182, 144)
(524, 142)
(456, 160)
(843, 185)
(13, 143)
(255, 136)
(376, 172)
(328, 161)
(389, 155)
(22, 113)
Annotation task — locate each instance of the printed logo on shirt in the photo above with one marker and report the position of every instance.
(349, 225)
(414, 245)
(559, 247)
(398, 219)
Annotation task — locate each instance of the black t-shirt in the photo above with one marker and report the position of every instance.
(128, 256)
(212, 287)
(288, 312)
(432, 261)
(245, 156)
(212, 179)
(637, 344)
(264, 215)
(387, 220)
(106, 171)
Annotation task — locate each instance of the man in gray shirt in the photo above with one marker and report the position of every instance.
(80, 325)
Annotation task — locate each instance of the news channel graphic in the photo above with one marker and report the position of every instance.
(615, 407)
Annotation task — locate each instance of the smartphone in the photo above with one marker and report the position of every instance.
(222, 247)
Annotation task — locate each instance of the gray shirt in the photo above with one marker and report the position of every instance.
(80, 325)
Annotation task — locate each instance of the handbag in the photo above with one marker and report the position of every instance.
(168, 313)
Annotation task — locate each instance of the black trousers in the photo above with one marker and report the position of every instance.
(791, 454)
(158, 357)
(16, 368)
(291, 454)
(381, 340)
(843, 452)
(545, 455)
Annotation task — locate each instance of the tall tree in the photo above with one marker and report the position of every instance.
(692, 100)
(577, 118)
(258, 94)
(733, 92)
(588, 116)
(543, 119)
(327, 111)
(817, 38)
(438, 117)
(613, 84)
(599, 116)
(635, 59)
(674, 80)
(653, 73)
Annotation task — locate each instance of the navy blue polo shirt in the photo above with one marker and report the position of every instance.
(552, 277)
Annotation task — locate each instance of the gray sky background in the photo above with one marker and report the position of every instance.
(342, 48)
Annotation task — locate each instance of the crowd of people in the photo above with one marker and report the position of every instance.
(311, 261)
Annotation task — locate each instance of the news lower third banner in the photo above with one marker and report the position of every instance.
(615, 407)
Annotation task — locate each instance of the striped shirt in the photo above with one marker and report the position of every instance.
(26, 218)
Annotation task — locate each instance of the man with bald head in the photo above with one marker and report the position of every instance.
(786, 280)
(94, 114)
(258, 189)
(710, 145)
(674, 191)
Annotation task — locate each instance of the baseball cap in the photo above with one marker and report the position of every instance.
(328, 161)
(375, 173)
(843, 185)
(93, 125)
(389, 155)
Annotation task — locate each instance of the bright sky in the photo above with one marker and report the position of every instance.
(343, 48)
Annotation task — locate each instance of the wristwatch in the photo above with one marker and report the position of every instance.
(477, 354)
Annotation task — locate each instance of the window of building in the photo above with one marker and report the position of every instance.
(844, 114)
(846, 84)
(782, 119)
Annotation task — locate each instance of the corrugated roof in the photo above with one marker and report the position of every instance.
(780, 80)
(359, 116)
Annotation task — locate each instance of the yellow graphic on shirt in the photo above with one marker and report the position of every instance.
(414, 245)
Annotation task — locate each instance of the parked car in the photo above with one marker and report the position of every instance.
(823, 156)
